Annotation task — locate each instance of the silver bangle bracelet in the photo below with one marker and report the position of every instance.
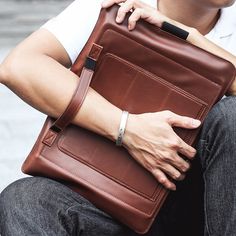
(123, 122)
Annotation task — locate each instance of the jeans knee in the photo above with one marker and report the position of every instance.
(222, 118)
(10, 200)
(218, 132)
(15, 193)
(25, 193)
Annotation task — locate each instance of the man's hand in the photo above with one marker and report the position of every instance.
(152, 142)
(140, 10)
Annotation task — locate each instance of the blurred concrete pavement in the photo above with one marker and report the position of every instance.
(19, 123)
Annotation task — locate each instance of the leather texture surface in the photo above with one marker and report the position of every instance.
(145, 70)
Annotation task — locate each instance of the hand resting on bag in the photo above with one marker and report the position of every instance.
(152, 142)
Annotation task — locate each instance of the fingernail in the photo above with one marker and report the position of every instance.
(194, 152)
(186, 168)
(196, 123)
(173, 188)
(177, 176)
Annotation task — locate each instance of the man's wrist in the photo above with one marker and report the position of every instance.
(122, 127)
(129, 132)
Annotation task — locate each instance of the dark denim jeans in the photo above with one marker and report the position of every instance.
(40, 206)
(217, 152)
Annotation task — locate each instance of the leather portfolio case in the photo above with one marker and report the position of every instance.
(144, 70)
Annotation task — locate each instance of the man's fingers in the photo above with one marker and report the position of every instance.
(182, 121)
(127, 6)
(123, 10)
(137, 14)
(176, 144)
(162, 179)
(171, 171)
(108, 3)
(187, 150)
(179, 163)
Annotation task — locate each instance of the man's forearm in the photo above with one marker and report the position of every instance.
(197, 39)
(48, 86)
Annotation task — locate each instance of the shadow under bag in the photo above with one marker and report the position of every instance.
(145, 70)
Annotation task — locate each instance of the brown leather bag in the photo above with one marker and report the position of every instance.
(146, 70)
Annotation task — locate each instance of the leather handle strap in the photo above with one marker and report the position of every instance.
(77, 98)
(174, 30)
(76, 101)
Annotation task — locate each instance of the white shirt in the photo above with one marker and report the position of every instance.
(74, 25)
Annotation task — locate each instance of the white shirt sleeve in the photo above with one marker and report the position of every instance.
(73, 26)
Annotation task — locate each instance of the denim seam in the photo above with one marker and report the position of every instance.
(207, 227)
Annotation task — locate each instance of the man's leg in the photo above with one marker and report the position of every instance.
(217, 152)
(40, 206)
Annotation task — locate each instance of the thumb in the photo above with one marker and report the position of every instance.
(108, 3)
(183, 121)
